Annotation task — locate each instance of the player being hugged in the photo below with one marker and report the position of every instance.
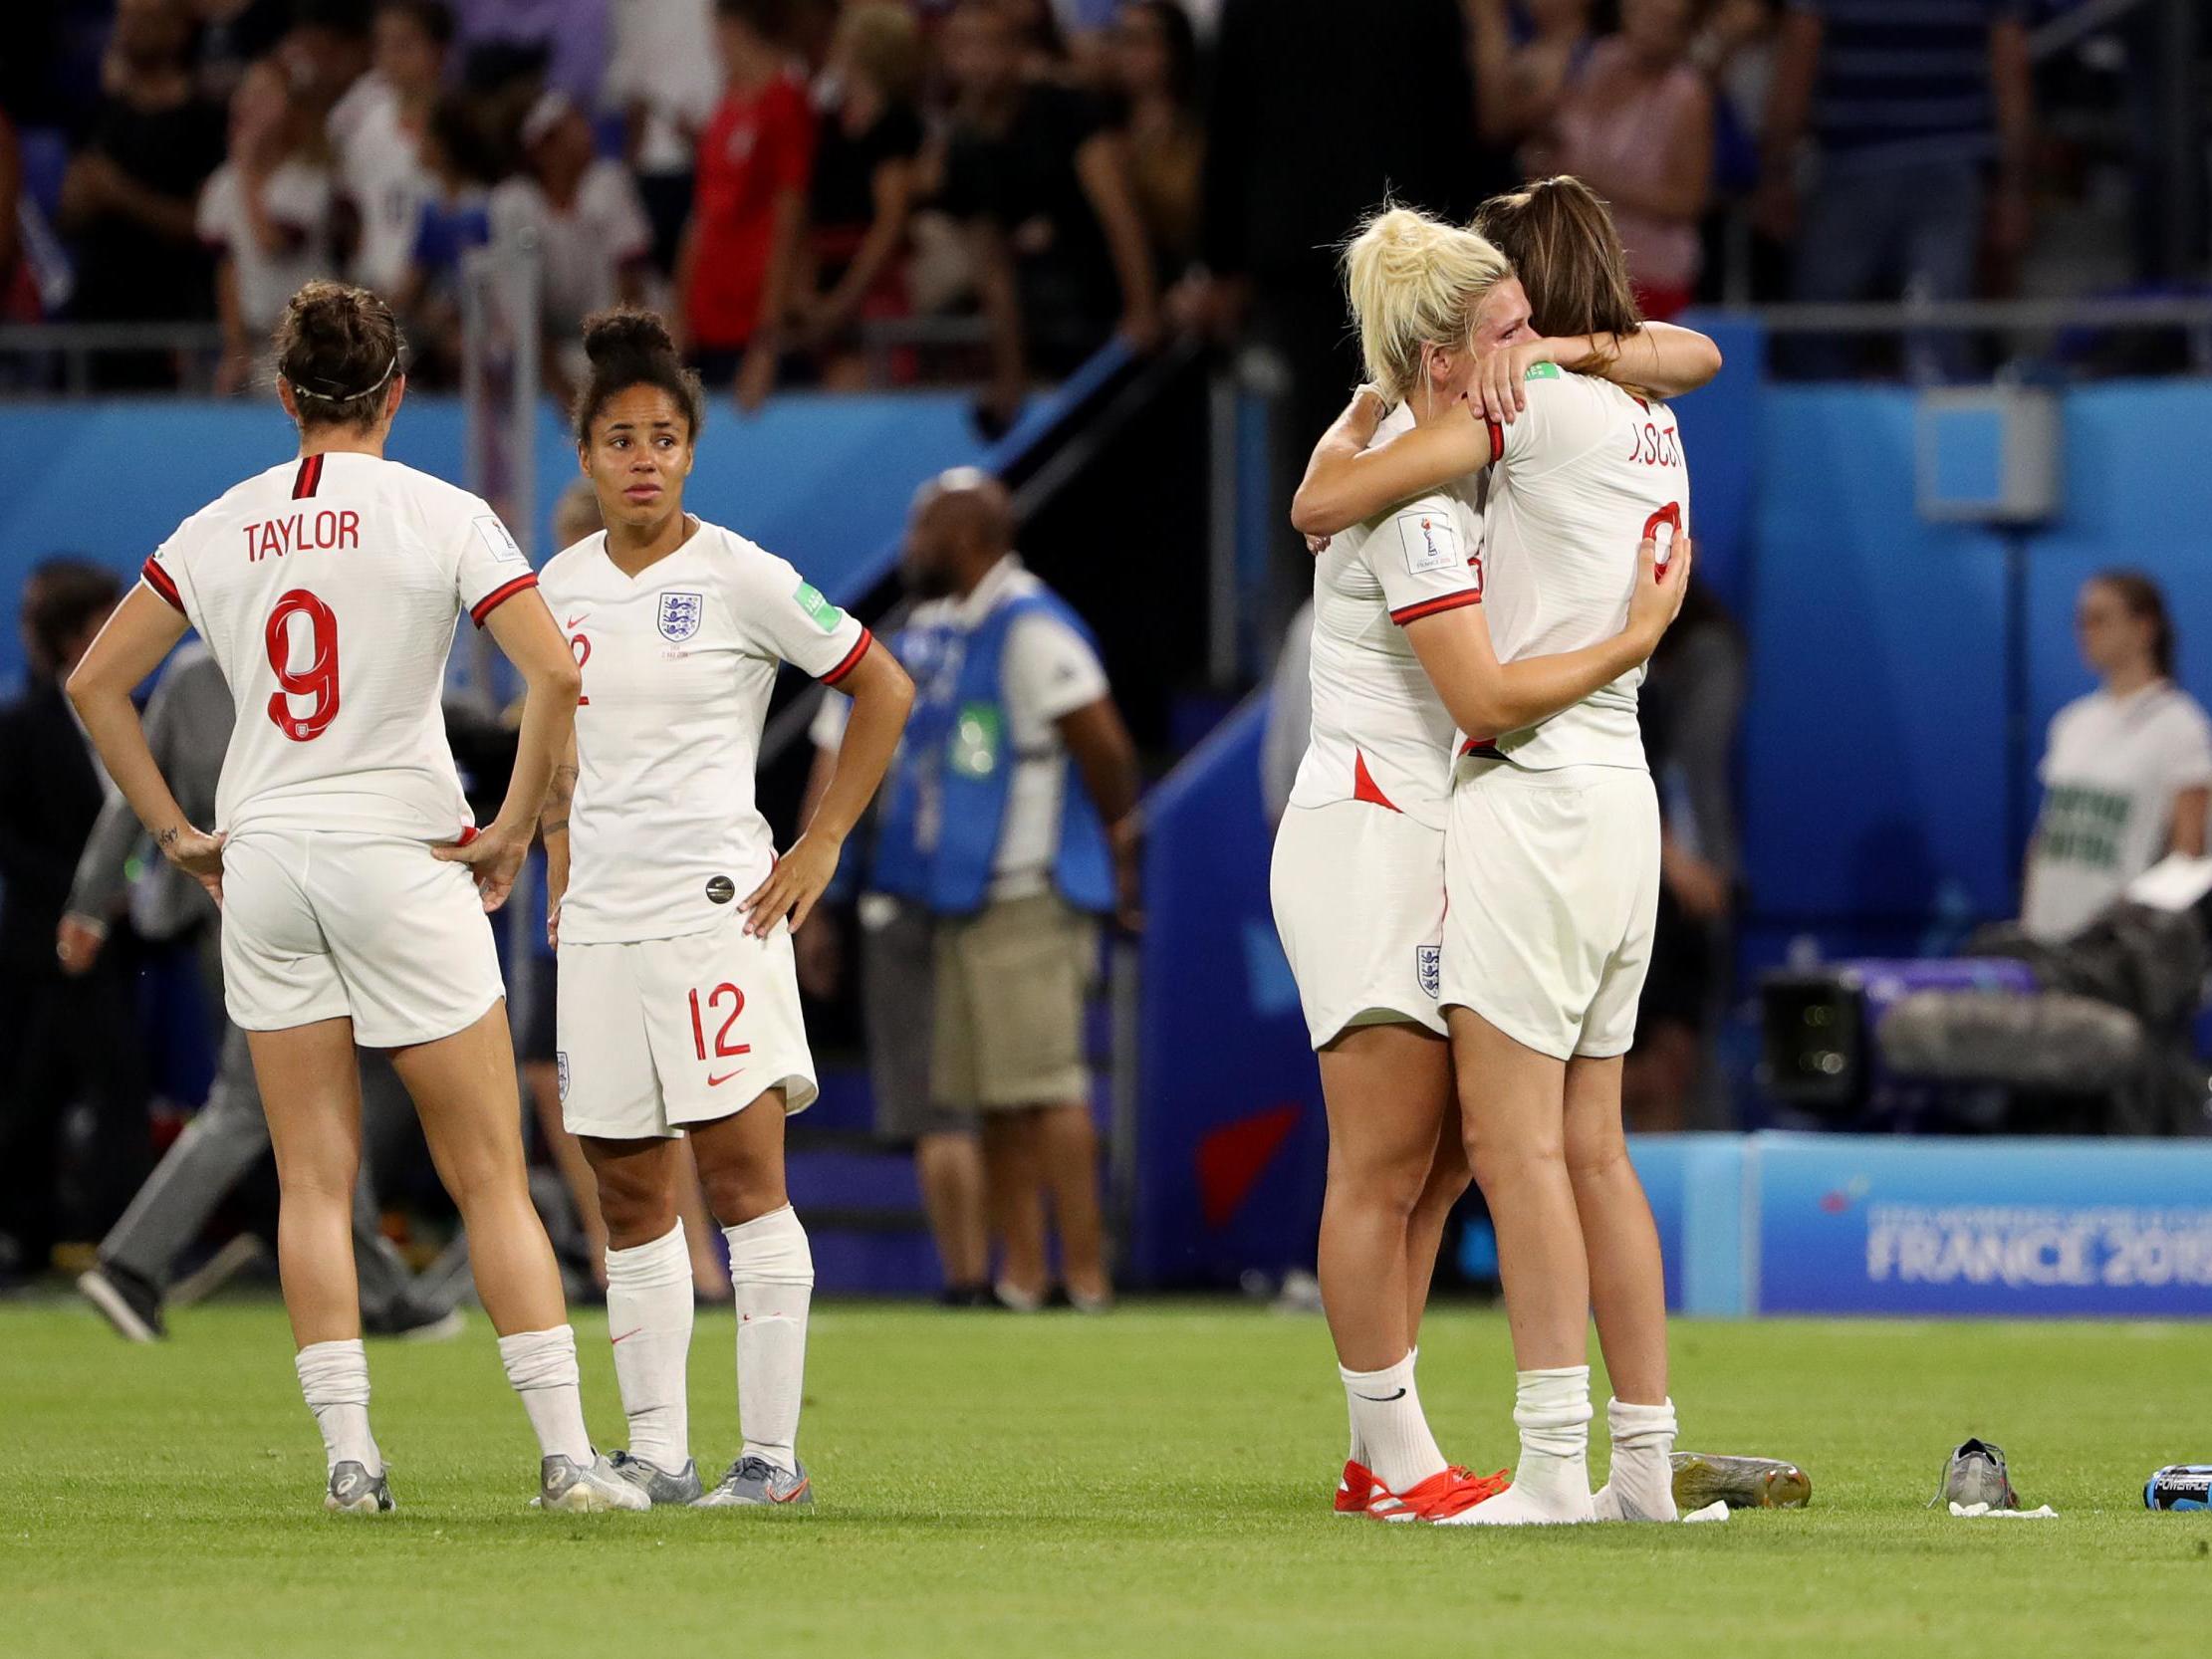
(329, 588)
(672, 916)
(1552, 838)
(1359, 869)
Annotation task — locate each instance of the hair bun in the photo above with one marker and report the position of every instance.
(626, 333)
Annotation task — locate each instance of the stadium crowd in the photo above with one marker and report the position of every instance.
(784, 174)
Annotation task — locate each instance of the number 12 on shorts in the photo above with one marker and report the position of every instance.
(724, 1048)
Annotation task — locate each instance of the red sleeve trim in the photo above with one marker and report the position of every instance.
(852, 659)
(158, 579)
(1497, 441)
(1430, 607)
(499, 596)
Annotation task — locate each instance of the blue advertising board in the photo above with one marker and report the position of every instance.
(1852, 1224)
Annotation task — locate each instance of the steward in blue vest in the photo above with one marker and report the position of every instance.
(952, 779)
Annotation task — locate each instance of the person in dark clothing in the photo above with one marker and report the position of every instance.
(1289, 179)
(63, 1040)
(129, 196)
(862, 192)
(1041, 182)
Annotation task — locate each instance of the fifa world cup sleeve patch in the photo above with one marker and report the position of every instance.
(497, 541)
(827, 616)
(1542, 372)
(1429, 539)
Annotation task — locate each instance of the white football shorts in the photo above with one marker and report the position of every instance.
(1358, 895)
(1553, 884)
(662, 1033)
(325, 925)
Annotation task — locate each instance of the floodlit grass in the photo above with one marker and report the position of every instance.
(1155, 1482)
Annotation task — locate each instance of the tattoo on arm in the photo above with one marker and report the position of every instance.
(555, 818)
(167, 838)
(553, 826)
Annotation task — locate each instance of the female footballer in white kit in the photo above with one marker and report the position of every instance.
(1552, 839)
(329, 588)
(1359, 869)
(672, 913)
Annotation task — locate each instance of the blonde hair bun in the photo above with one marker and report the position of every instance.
(1413, 281)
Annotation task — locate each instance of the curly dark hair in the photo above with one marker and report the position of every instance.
(633, 348)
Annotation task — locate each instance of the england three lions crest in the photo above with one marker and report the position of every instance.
(1428, 964)
(679, 615)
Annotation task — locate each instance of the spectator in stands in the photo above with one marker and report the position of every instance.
(1637, 126)
(738, 273)
(664, 82)
(2127, 773)
(386, 180)
(1155, 66)
(266, 212)
(570, 36)
(861, 198)
(1011, 813)
(129, 195)
(1921, 119)
(580, 212)
(64, 1040)
(1692, 707)
(1043, 187)
(232, 35)
(1525, 63)
(454, 217)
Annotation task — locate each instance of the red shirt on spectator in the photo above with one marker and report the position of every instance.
(756, 146)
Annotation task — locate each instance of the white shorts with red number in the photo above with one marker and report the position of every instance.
(323, 925)
(668, 1032)
(1554, 883)
(1359, 898)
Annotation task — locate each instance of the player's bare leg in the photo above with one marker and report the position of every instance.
(1448, 1176)
(1387, 1090)
(1014, 1200)
(707, 1277)
(464, 1088)
(949, 1168)
(1627, 1293)
(1512, 1105)
(311, 1090)
(544, 1081)
(741, 1163)
(1067, 1145)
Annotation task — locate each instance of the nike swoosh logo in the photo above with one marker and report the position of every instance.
(573, 621)
(717, 1083)
(1384, 1399)
(625, 1336)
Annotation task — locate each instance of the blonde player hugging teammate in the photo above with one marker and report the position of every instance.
(672, 912)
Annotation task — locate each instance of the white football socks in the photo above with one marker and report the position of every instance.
(649, 1318)
(1641, 1486)
(333, 1377)
(1386, 1423)
(541, 1364)
(772, 1274)
(1550, 1484)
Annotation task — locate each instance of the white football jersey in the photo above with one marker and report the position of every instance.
(327, 589)
(1578, 480)
(1379, 732)
(679, 663)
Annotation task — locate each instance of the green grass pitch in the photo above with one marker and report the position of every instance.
(1154, 1484)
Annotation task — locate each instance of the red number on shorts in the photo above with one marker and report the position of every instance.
(318, 679)
(723, 1047)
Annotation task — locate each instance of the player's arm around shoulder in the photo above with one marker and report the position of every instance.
(1349, 479)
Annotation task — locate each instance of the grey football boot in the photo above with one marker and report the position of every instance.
(584, 1489)
(656, 1483)
(1702, 1478)
(354, 1491)
(1976, 1473)
(756, 1483)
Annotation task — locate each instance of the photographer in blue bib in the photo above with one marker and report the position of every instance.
(1009, 821)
